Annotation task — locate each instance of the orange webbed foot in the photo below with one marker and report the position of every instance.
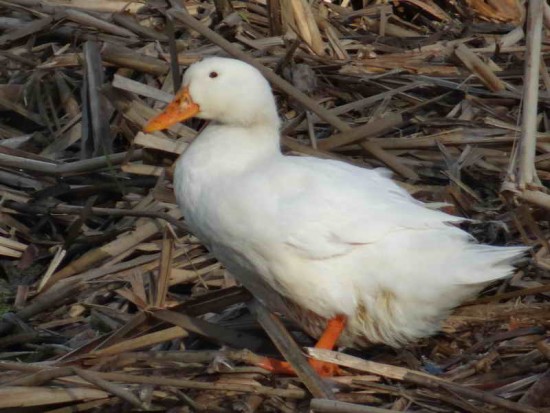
(325, 369)
(328, 340)
(322, 368)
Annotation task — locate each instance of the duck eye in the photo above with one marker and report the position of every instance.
(213, 74)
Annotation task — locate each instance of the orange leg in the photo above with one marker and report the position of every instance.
(327, 341)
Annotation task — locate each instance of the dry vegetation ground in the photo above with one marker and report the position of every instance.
(110, 305)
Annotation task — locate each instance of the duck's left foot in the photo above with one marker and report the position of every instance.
(328, 340)
(322, 368)
(275, 366)
(325, 369)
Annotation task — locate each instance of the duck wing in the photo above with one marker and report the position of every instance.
(340, 207)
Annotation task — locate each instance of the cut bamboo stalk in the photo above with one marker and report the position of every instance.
(479, 68)
(144, 341)
(76, 167)
(144, 230)
(423, 379)
(306, 25)
(111, 388)
(12, 244)
(21, 396)
(160, 143)
(212, 331)
(26, 30)
(372, 129)
(9, 252)
(140, 169)
(86, 19)
(195, 384)
(121, 82)
(527, 174)
(334, 406)
(130, 23)
(124, 57)
(96, 104)
(164, 269)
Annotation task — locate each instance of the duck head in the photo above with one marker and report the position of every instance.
(226, 91)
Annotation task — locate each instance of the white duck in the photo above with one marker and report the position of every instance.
(344, 246)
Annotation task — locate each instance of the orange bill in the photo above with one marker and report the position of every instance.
(179, 110)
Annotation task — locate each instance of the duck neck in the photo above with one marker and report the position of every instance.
(231, 149)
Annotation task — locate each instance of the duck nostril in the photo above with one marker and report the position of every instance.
(213, 75)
